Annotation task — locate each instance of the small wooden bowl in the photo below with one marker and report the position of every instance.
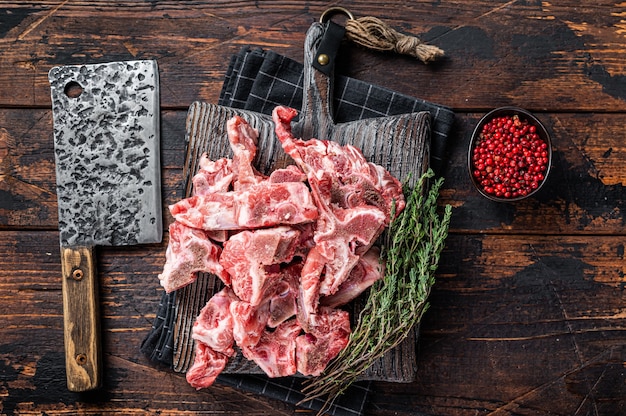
(477, 136)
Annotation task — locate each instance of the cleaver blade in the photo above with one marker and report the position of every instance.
(107, 156)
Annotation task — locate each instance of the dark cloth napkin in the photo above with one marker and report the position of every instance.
(259, 80)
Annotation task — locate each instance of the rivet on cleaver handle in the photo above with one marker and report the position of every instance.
(107, 155)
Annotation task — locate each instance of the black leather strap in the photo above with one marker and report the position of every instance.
(327, 50)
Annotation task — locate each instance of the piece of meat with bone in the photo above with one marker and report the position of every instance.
(275, 352)
(268, 204)
(368, 270)
(243, 142)
(290, 173)
(354, 208)
(283, 302)
(210, 212)
(207, 365)
(353, 180)
(189, 251)
(252, 258)
(328, 334)
(347, 235)
(213, 176)
(262, 205)
(214, 323)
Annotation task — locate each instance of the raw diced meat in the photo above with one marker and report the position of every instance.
(276, 351)
(248, 322)
(207, 365)
(263, 205)
(368, 270)
(249, 257)
(213, 176)
(327, 336)
(214, 324)
(295, 243)
(189, 251)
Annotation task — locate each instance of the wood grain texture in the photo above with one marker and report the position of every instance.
(584, 194)
(81, 318)
(493, 48)
(527, 315)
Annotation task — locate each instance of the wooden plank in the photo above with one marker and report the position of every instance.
(517, 325)
(585, 193)
(32, 360)
(492, 49)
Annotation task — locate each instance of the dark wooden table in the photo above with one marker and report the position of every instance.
(528, 314)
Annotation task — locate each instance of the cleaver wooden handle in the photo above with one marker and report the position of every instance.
(81, 319)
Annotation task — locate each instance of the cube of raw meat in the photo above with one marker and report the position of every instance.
(327, 336)
(210, 212)
(213, 176)
(252, 259)
(249, 322)
(275, 352)
(207, 365)
(368, 270)
(189, 251)
(291, 173)
(214, 324)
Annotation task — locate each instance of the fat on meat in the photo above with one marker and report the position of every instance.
(265, 204)
(327, 335)
(214, 324)
(268, 204)
(252, 259)
(275, 353)
(188, 252)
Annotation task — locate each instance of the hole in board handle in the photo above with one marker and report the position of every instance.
(73, 89)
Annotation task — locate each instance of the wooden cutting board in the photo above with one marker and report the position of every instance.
(399, 143)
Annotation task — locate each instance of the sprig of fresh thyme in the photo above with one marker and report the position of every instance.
(396, 303)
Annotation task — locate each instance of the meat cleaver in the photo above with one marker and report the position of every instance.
(107, 155)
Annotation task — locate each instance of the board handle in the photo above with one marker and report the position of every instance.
(81, 319)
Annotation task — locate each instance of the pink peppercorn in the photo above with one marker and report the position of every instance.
(509, 159)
